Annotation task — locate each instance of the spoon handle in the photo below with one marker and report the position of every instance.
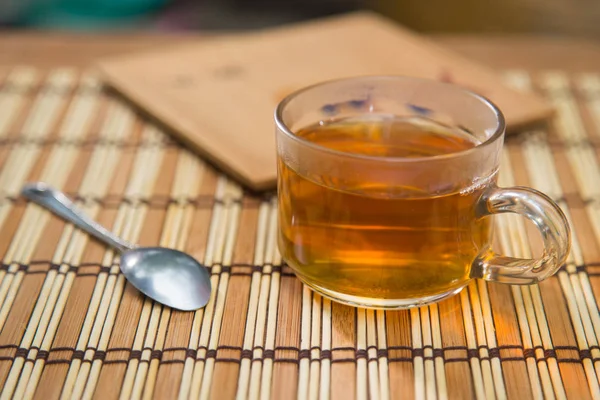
(59, 203)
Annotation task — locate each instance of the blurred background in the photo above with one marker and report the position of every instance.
(558, 17)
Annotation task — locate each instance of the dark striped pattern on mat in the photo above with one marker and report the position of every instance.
(70, 326)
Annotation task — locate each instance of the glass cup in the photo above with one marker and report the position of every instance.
(426, 229)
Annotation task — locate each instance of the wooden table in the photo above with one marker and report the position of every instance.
(70, 326)
(501, 52)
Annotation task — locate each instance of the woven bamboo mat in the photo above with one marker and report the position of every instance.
(71, 327)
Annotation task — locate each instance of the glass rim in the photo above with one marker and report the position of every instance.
(498, 132)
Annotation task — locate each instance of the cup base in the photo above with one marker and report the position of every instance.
(380, 304)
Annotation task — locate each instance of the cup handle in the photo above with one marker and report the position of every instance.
(549, 219)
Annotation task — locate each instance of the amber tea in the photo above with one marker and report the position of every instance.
(377, 242)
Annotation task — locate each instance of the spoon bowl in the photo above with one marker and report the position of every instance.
(168, 276)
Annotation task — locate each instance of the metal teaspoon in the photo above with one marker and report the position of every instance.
(167, 276)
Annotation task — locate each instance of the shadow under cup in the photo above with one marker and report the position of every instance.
(394, 231)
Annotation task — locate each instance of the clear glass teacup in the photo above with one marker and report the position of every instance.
(386, 187)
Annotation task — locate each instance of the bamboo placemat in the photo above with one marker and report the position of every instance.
(71, 327)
